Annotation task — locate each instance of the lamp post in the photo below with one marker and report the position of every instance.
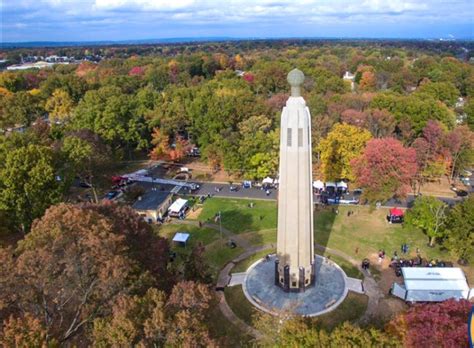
(220, 223)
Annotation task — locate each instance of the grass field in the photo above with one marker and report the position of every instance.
(243, 265)
(238, 217)
(368, 231)
(217, 252)
(351, 309)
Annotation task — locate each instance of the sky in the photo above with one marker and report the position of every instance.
(98, 20)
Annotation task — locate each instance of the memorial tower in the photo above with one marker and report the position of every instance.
(295, 266)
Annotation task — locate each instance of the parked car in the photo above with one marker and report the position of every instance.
(111, 195)
(194, 187)
(233, 188)
(465, 180)
(461, 193)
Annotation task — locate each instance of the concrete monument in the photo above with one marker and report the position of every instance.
(295, 263)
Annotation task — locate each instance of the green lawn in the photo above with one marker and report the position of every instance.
(243, 265)
(368, 231)
(203, 235)
(239, 304)
(351, 309)
(350, 270)
(238, 217)
(262, 237)
(218, 254)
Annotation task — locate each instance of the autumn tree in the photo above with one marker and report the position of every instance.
(441, 324)
(135, 321)
(380, 123)
(25, 331)
(429, 215)
(289, 331)
(59, 105)
(339, 148)
(460, 230)
(75, 261)
(367, 80)
(187, 306)
(384, 169)
(460, 144)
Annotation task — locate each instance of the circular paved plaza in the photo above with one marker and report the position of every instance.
(328, 292)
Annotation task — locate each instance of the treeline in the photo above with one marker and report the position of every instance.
(403, 106)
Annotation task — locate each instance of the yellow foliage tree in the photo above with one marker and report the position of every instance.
(339, 148)
(59, 105)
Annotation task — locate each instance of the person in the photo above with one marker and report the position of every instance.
(267, 192)
(357, 250)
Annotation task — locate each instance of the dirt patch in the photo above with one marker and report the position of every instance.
(388, 307)
(194, 214)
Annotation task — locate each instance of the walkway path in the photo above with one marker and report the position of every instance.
(372, 290)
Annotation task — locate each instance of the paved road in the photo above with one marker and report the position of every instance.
(256, 193)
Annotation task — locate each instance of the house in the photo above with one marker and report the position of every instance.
(153, 205)
(348, 76)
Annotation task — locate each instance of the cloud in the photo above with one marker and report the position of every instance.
(152, 5)
(160, 18)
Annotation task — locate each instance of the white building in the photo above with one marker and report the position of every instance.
(348, 76)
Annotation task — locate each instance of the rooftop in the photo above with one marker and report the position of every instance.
(151, 200)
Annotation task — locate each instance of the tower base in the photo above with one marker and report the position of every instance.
(297, 283)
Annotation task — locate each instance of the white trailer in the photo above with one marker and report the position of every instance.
(432, 284)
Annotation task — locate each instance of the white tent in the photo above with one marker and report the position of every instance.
(330, 184)
(181, 237)
(341, 184)
(433, 284)
(267, 180)
(177, 206)
(318, 184)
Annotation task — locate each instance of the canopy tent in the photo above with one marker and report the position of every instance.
(396, 212)
(330, 184)
(267, 180)
(342, 184)
(181, 237)
(432, 284)
(318, 184)
(178, 206)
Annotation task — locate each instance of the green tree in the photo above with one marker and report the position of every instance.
(343, 143)
(442, 91)
(109, 113)
(19, 109)
(460, 230)
(28, 183)
(429, 215)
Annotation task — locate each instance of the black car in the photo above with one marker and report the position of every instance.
(461, 193)
(233, 188)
